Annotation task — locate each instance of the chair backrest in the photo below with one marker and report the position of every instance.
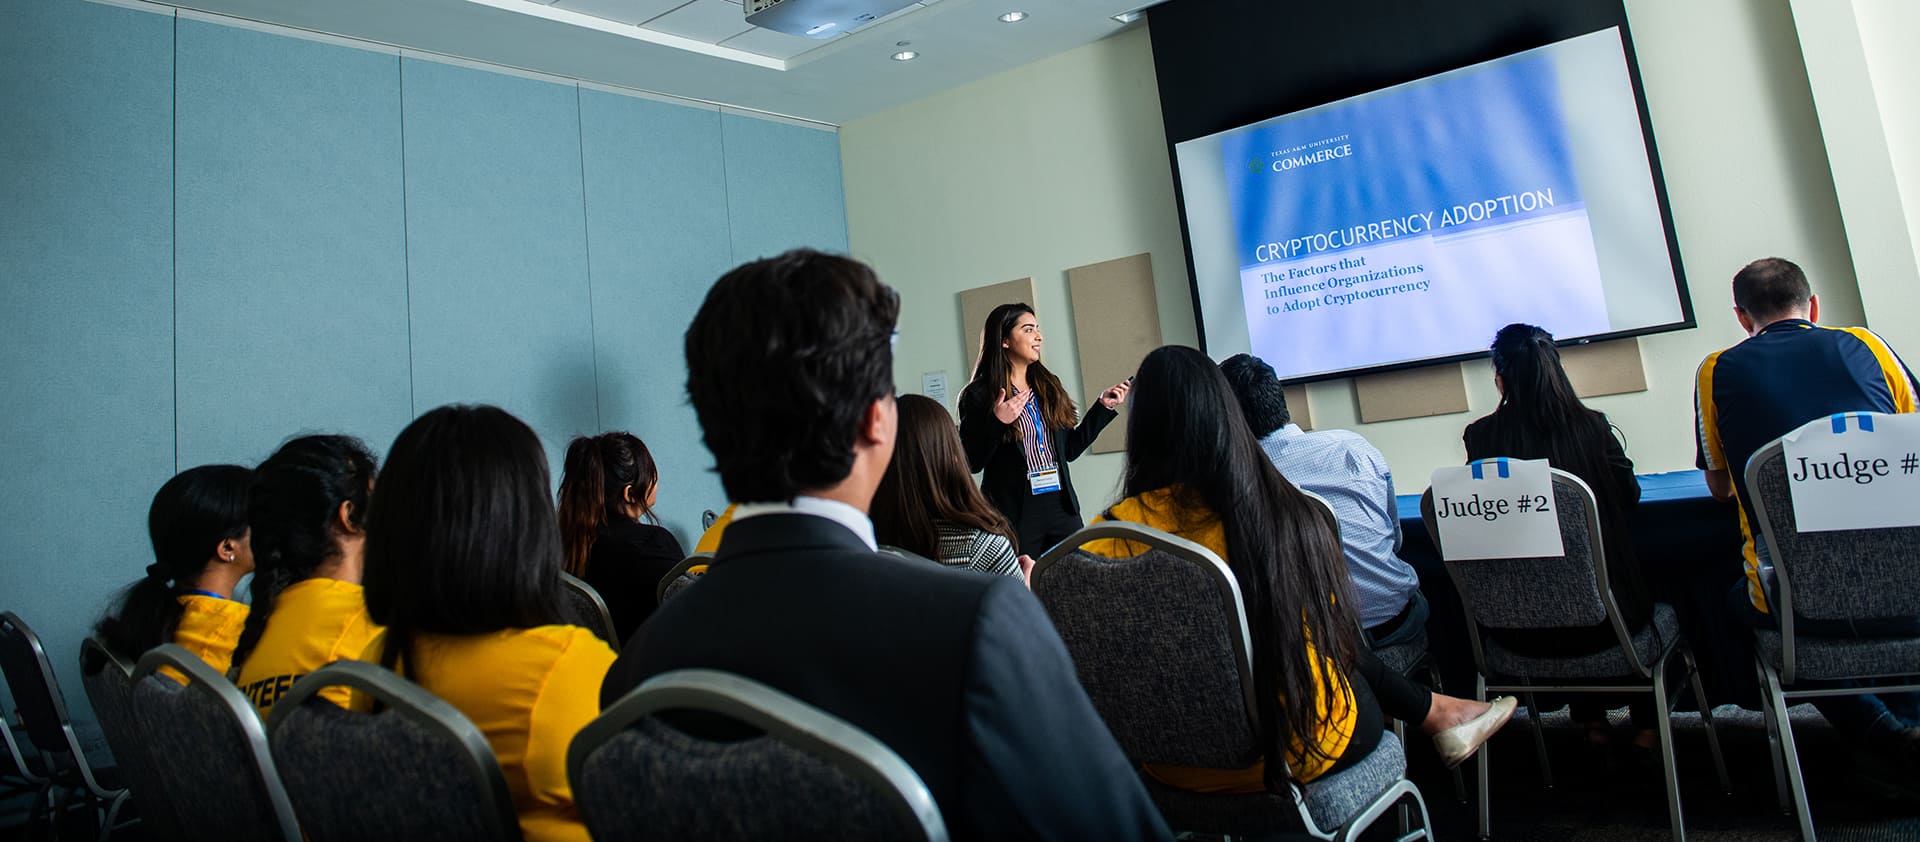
(805, 775)
(36, 693)
(1565, 591)
(1160, 642)
(1853, 574)
(208, 742)
(414, 769)
(109, 685)
(683, 575)
(586, 609)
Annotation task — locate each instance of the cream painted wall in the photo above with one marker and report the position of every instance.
(1887, 28)
(1063, 162)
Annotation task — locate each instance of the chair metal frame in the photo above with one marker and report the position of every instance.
(1655, 674)
(105, 801)
(1232, 603)
(681, 569)
(1775, 686)
(607, 631)
(783, 717)
(409, 700)
(202, 678)
(95, 652)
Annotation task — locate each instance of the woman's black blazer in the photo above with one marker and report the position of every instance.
(1004, 461)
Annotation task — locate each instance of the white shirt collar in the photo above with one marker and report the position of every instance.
(853, 519)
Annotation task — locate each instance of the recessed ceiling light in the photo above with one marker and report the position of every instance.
(1013, 17)
(1128, 17)
(905, 55)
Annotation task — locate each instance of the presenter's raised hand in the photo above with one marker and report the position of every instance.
(1115, 396)
(1008, 407)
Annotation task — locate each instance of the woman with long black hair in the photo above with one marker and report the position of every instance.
(1540, 417)
(201, 549)
(1194, 469)
(608, 485)
(1017, 425)
(927, 504)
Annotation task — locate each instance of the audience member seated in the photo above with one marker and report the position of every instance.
(1352, 476)
(710, 539)
(1195, 470)
(463, 569)
(308, 511)
(1540, 417)
(1790, 371)
(607, 490)
(927, 502)
(790, 370)
(198, 523)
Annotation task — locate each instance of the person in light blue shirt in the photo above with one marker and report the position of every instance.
(1352, 476)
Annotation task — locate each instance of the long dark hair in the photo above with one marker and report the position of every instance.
(927, 481)
(292, 507)
(593, 479)
(461, 537)
(191, 514)
(1540, 413)
(994, 371)
(1186, 435)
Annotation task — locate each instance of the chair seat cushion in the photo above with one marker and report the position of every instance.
(1404, 657)
(1841, 657)
(1332, 800)
(1660, 634)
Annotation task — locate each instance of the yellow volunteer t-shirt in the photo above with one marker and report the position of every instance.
(315, 622)
(1336, 707)
(529, 691)
(210, 628)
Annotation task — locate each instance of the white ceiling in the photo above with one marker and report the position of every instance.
(705, 49)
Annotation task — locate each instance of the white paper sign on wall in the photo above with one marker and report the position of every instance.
(1855, 471)
(1497, 508)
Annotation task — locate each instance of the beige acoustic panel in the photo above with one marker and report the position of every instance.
(1412, 393)
(1607, 368)
(975, 305)
(1116, 321)
(1297, 407)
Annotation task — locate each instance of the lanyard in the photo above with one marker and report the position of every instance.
(1032, 410)
(197, 592)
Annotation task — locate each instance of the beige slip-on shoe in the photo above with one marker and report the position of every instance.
(1458, 743)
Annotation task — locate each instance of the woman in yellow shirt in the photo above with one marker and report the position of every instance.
(198, 523)
(1195, 470)
(308, 511)
(463, 569)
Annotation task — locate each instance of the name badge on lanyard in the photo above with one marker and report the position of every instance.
(1043, 482)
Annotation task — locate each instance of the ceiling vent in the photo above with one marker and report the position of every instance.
(819, 18)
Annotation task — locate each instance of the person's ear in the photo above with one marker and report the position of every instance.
(877, 424)
(228, 550)
(1813, 309)
(1746, 321)
(626, 494)
(343, 519)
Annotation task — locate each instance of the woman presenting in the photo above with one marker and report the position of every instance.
(1017, 424)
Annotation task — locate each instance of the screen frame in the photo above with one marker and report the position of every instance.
(1490, 52)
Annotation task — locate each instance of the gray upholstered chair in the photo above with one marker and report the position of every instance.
(1160, 643)
(683, 575)
(1859, 574)
(62, 772)
(413, 769)
(585, 608)
(1569, 591)
(800, 774)
(108, 681)
(206, 740)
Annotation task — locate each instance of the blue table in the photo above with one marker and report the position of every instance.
(1688, 543)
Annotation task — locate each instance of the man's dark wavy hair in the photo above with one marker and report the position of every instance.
(782, 360)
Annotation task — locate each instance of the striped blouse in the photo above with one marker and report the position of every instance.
(976, 550)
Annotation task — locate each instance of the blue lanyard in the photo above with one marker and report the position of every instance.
(204, 593)
(1033, 416)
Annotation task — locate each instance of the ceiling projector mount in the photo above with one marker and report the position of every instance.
(820, 19)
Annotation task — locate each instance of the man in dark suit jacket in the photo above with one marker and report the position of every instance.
(790, 368)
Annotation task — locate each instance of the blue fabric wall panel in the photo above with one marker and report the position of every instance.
(657, 226)
(292, 287)
(86, 287)
(496, 248)
(783, 188)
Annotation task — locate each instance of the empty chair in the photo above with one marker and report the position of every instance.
(782, 770)
(415, 769)
(211, 747)
(63, 772)
(1571, 591)
(109, 685)
(586, 609)
(1824, 579)
(683, 575)
(1161, 644)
